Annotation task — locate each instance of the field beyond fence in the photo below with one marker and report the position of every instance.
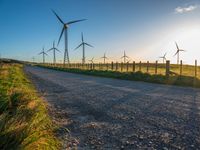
(144, 67)
(165, 73)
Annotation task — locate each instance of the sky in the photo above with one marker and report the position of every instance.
(145, 29)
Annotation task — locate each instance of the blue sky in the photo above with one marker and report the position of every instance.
(146, 29)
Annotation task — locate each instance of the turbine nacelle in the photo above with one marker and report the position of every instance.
(66, 26)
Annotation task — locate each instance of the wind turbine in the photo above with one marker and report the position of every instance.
(83, 44)
(54, 49)
(65, 29)
(104, 58)
(91, 60)
(177, 52)
(164, 57)
(33, 59)
(125, 56)
(43, 54)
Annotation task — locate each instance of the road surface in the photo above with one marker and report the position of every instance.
(103, 113)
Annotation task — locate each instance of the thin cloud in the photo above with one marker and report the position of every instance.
(181, 10)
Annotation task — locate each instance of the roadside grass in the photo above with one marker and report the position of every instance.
(136, 76)
(24, 120)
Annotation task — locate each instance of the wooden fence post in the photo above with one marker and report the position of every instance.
(116, 66)
(127, 65)
(112, 66)
(167, 68)
(147, 66)
(133, 69)
(93, 66)
(99, 66)
(156, 67)
(195, 68)
(181, 67)
(140, 66)
(107, 66)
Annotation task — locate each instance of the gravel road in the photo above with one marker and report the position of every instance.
(103, 113)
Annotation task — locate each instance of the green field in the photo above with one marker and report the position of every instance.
(186, 79)
(24, 120)
(187, 70)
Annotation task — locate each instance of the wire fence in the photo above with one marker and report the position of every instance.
(144, 67)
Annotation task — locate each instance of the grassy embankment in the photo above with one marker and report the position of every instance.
(24, 120)
(182, 80)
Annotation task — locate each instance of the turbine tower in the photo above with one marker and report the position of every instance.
(124, 57)
(54, 49)
(164, 57)
(83, 44)
(43, 54)
(177, 52)
(65, 29)
(104, 58)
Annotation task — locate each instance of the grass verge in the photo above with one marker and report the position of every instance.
(137, 76)
(24, 120)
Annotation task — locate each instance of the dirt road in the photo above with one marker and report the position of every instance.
(103, 113)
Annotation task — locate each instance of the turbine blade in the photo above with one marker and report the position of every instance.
(176, 53)
(58, 17)
(40, 53)
(50, 49)
(78, 46)
(53, 43)
(61, 35)
(88, 45)
(82, 37)
(177, 46)
(75, 21)
(57, 50)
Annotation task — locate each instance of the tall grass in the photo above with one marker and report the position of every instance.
(24, 120)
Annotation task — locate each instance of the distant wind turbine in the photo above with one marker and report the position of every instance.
(43, 54)
(91, 60)
(104, 58)
(65, 29)
(83, 44)
(54, 49)
(124, 57)
(128, 60)
(164, 57)
(177, 52)
(33, 59)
